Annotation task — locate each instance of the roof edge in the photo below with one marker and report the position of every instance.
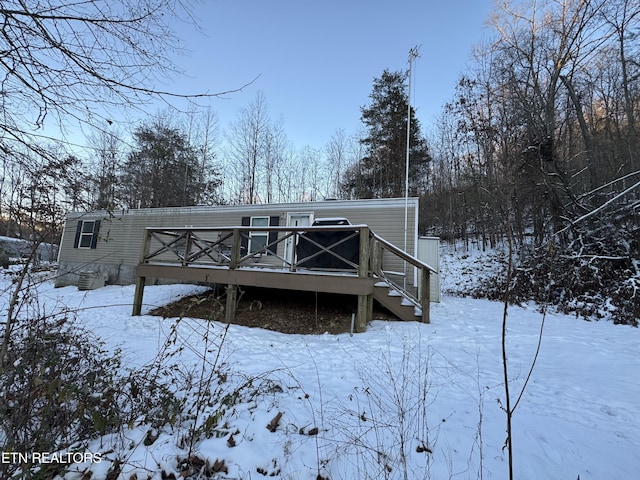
(400, 201)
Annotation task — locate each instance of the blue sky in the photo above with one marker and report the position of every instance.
(316, 60)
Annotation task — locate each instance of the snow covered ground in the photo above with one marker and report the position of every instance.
(403, 400)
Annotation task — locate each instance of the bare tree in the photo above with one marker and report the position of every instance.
(202, 130)
(623, 17)
(247, 141)
(311, 160)
(82, 61)
(274, 153)
(286, 177)
(63, 65)
(104, 165)
(336, 160)
(541, 46)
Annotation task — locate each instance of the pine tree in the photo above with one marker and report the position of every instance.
(381, 171)
(165, 170)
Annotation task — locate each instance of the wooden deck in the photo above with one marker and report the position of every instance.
(242, 256)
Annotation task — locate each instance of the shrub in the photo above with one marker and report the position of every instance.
(595, 273)
(58, 386)
(61, 388)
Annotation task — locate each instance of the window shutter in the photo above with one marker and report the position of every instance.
(94, 238)
(273, 236)
(244, 240)
(76, 242)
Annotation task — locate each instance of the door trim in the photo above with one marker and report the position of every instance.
(288, 249)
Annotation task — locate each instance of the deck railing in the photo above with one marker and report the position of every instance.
(342, 249)
(236, 247)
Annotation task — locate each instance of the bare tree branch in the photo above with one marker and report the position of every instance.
(85, 62)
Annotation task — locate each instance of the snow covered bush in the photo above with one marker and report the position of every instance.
(594, 273)
(60, 388)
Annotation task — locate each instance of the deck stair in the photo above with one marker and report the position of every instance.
(397, 302)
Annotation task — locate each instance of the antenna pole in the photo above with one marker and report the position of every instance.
(413, 54)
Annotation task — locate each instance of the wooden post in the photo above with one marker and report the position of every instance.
(137, 296)
(187, 249)
(425, 293)
(365, 302)
(235, 248)
(376, 269)
(232, 289)
(294, 252)
(230, 306)
(376, 258)
(140, 281)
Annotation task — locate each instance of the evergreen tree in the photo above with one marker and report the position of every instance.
(165, 170)
(381, 171)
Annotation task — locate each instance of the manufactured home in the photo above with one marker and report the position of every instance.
(124, 246)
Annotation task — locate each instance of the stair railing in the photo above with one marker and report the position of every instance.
(421, 299)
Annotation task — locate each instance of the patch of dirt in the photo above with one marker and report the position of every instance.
(285, 311)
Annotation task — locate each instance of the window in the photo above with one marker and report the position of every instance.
(87, 234)
(258, 240)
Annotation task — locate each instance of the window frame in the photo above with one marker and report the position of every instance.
(263, 235)
(86, 234)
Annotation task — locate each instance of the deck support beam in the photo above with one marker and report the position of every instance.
(230, 306)
(425, 292)
(140, 282)
(232, 288)
(364, 313)
(137, 296)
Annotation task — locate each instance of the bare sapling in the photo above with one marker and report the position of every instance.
(507, 407)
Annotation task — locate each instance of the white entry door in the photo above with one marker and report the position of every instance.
(296, 220)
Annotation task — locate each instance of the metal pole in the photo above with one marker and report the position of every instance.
(413, 54)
